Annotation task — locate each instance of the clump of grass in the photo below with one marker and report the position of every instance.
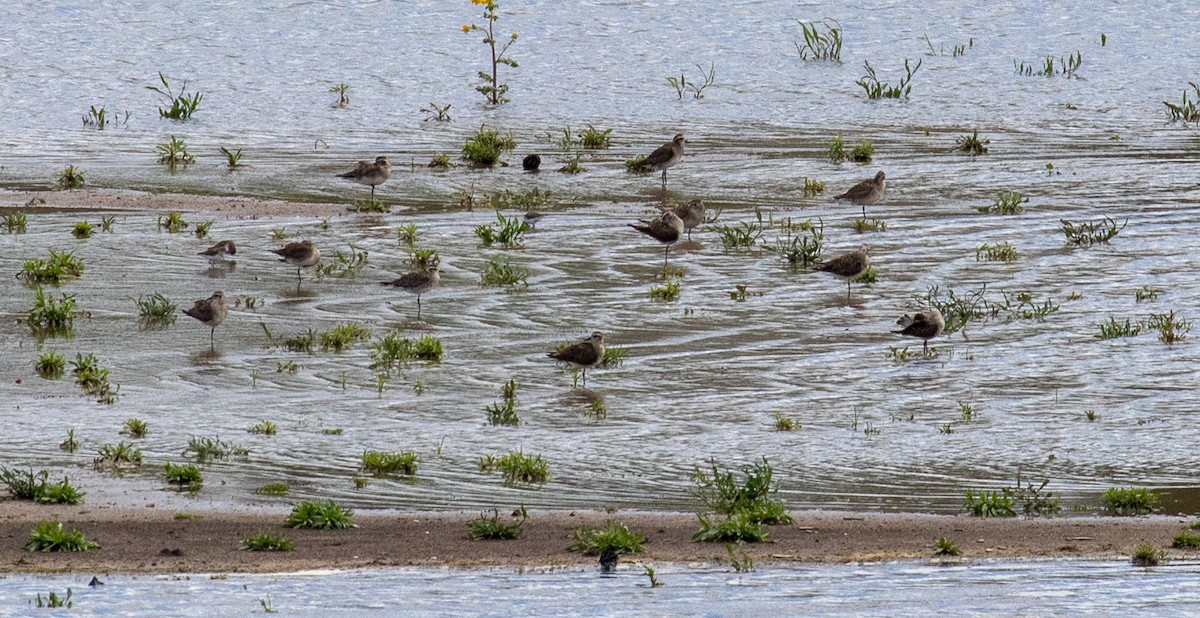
(380, 463)
(506, 231)
(837, 150)
(119, 458)
(36, 487)
(266, 428)
(71, 444)
(682, 85)
(135, 428)
(182, 105)
(265, 541)
(1130, 501)
(614, 356)
(186, 476)
(70, 178)
(437, 113)
(1186, 540)
(82, 230)
(875, 89)
(1113, 329)
(440, 161)
(15, 222)
(945, 547)
(614, 536)
(822, 41)
(492, 529)
(668, 291)
(320, 515)
(343, 264)
(407, 234)
(1090, 233)
(813, 187)
(1147, 555)
(106, 223)
(971, 144)
(205, 449)
(51, 536)
(155, 309)
(863, 152)
(521, 470)
(343, 336)
(903, 355)
(862, 226)
(1002, 252)
(173, 222)
(1186, 110)
(486, 146)
(498, 273)
(572, 166)
(343, 91)
(803, 249)
(592, 138)
(990, 504)
(1033, 501)
(370, 204)
(783, 423)
(1066, 66)
(174, 153)
(273, 489)
(1006, 203)
(301, 342)
(505, 413)
(52, 317)
(59, 267)
(93, 379)
(1021, 306)
(744, 235)
(394, 350)
(50, 365)
(1171, 330)
(54, 600)
(720, 491)
(737, 527)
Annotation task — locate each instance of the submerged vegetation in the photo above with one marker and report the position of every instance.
(875, 89)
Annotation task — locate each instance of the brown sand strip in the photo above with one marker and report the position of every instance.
(150, 540)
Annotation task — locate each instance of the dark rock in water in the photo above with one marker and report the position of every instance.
(95, 582)
(531, 163)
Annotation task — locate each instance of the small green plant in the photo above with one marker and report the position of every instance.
(1186, 540)
(232, 159)
(1006, 203)
(156, 308)
(273, 489)
(92, 378)
(394, 350)
(15, 222)
(205, 449)
(71, 444)
(1171, 330)
(1130, 501)
(668, 291)
(654, 581)
(1090, 233)
(343, 336)
(881, 90)
(440, 162)
(592, 138)
(1113, 329)
(803, 249)
(945, 547)
(96, 118)
(837, 150)
(615, 536)
(505, 413)
(54, 600)
(1066, 66)
(52, 317)
(174, 153)
(1148, 555)
(50, 365)
(862, 226)
(186, 476)
(506, 231)
(572, 166)
(971, 144)
(741, 293)
(497, 273)
(59, 267)
(737, 527)
(682, 85)
(343, 92)
(720, 491)
(486, 146)
(119, 458)
(173, 222)
(182, 105)
(134, 428)
(863, 152)
(265, 428)
(106, 223)
(783, 423)
(407, 234)
(265, 541)
(50, 536)
(822, 41)
(438, 113)
(70, 178)
(1091, 416)
(203, 227)
(739, 559)
(1146, 294)
(990, 504)
(744, 235)
(614, 356)
(321, 515)
(813, 187)
(521, 470)
(491, 87)
(36, 487)
(380, 463)
(1002, 252)
(333, 432)
(1186, 110)
(492, 529)
(370, 204)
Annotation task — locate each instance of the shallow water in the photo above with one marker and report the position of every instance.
(890, 589)
(705, 372)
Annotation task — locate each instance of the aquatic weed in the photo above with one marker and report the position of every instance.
(15, 222)
(813, 187)
(265, 541)
(273, 489)
(437, 113)
(668, 291)
(1113, 329)
(1147, 555)
(875, 89)
(1001, 252)
(783, 423)
(492, 529)
(320, 515)
(54, 600)
(50, 536)
(264, 427)
(59, 267)
(173, 222)
(491, 87)
(36, 487)
(118, 458)
(341, 89)
(174, 153)
(440, 161)
(52, 317)
(971, 144)
(1005, 203)
(343, 336)
(70, 178)
(486, 146)
(182, 105)
(205, 449)
(1171, 330)
(134, 428)
(990, 504)
(1146, 294)
(502, 274)
(681, 84)
(233, 160)
(614, 536)
(521, 470)
(862, 226)
(185, 476)
(822, 41)
(1186, 110)
(945, 547)
(719, 490)
(50, 365)
(863, 152)
(506, 231)
(1090, 233)
(801, 250)
(155, 308)
(737, 527)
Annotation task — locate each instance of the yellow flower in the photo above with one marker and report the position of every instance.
(480, 2)
(514, 36)
(466, 28)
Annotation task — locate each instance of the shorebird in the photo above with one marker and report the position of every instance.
(217, 252)
(211, 312)
(665, 156)
(531, 163)
(692, 215)
(532, 217)
(865, 193)
(583, 355)
(370, 173)
(848, 266)
(925, 324)
(303, 254)
(608, 559)
(666, 229)
(418, 283)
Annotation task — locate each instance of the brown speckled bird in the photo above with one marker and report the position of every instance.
(211, 312)
(370, 173)
(303, 254)
(866, 192)
(418, 283)
(848, 266)
(925, 324)
(665, 156)
(583, 355)
(666, 229)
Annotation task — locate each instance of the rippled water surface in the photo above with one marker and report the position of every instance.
(1025, 588)
(704, 373)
